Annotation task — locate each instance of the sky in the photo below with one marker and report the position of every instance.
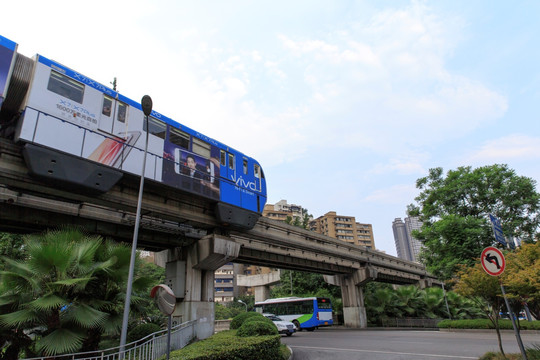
(345, 104)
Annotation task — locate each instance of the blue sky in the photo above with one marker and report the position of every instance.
(344, 103)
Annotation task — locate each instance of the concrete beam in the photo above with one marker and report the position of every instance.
(214, 251)
(259, 279)
(358, 277)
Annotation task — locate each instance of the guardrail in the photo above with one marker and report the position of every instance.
(150, 347)
(411, 322)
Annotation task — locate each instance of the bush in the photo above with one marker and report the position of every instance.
(141, 331)
(258, 318)
(487, 324)
(239, 319)
(257, 328)
(226, 345)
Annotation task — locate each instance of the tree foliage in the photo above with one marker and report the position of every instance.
(11, 247)
(455, 212)
(67, 291)
(477, 285)
(522, 276)
(383, 302)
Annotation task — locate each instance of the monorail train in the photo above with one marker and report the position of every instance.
(80, 132)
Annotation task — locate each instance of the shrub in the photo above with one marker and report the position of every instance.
(141, 331)
(226, 345)
(257, 328)
(487, 324)
(239, 319)
(258, 318)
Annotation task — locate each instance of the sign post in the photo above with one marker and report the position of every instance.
(497, 230)
(494, 263)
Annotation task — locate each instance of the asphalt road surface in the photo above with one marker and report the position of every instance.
(339, 343)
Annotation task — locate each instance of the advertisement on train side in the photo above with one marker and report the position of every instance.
(7, 51)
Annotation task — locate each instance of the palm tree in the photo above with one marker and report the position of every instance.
(409, 300)
(67, 292)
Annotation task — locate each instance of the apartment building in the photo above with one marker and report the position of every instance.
(344, 228)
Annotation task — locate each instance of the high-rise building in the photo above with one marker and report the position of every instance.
(407, 246)
(400, 237)
(344, 228)
(413, 223)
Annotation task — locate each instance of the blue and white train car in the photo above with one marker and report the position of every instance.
(80, 132)
(8, 50)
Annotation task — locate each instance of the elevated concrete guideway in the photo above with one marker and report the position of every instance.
(185, 226)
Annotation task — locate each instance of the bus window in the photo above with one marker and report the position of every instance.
(107, 105)
(156, 127)
(202, 148)
(257, 171)
(66, 87)
(122, 112)
(179, 138)
(245, 166)
(307, 307)
(324, 303)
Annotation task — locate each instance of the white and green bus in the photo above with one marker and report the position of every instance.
(305, 313)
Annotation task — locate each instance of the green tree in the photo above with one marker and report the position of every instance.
(68, 291)
(11, 247)
(383, 302)
(474, 283)
(304, 284)
(522, 276)
(455, 212)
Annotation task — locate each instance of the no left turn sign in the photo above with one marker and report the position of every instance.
(493, 261)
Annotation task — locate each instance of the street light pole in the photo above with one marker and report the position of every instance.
(240, 301)
(146, 104)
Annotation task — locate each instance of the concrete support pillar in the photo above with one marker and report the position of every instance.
(261, 283)
(354, 311)
(199, 260)
(262, 292)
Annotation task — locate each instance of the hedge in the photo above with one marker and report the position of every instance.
(226, 345)
(257, 328)
(239, 319)
(487, 324)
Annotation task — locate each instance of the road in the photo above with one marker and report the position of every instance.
(339, 343)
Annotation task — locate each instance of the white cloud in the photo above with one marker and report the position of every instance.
(515, 147)
(398, 194)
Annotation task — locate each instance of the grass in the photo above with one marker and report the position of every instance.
(533, 353)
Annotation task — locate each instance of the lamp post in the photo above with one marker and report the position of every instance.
(146, 104)
(240, 301)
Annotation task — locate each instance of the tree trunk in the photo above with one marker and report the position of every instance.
(91, 343)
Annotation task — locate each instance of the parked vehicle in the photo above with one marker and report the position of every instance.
(284, 327)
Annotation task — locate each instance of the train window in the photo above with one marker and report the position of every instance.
(122, 112)
(257, 171)
(66, 87)
(107, 105)
(179, 138)
(223, 158)
(245, 166)
(231, 161)
(157, 128)
(202, 148)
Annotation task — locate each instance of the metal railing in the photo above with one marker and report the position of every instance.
(150, 347)
(411, 322)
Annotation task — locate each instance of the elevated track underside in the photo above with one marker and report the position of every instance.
(171, 219)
